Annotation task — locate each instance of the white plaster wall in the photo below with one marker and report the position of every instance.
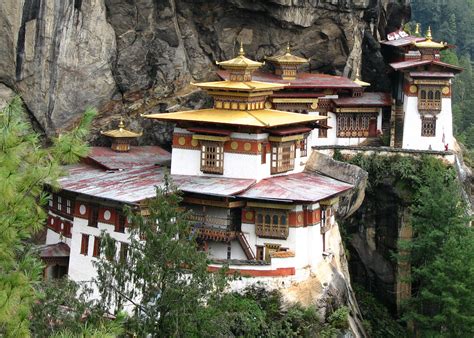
(52, 237)
(81, 266)
(412, 138)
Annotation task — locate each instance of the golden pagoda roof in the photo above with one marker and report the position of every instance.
(288, 58)
(247, 86)
(240, 62)
(359, 81)
(121, 132)
(251, 118)
(429, 43)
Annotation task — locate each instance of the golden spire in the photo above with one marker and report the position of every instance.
(121, 124)
(429, 37)
(241, 50)
(417, 29)
(121, 137)
(288, 50)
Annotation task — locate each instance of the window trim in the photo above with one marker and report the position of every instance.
(96, 250)
(430, 98)
(85, 244)
(428, 126)
(206, 157)
(278, 162)
(266, 227)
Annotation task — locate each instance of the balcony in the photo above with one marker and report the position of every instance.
(213, 228)
(429, 104)
(271, 231)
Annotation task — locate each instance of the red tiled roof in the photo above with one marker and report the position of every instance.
(305, 187)
(367, 100)
(137, 156)
(303, 80)
(54, 250)
(415, 63)
(431, 74)
(290, 130)
(138, 183)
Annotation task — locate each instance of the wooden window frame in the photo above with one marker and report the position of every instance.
(212, 157)
(85, 244)
(93, 220)
(265, 225)
(269, 249)
(428, 126)
(96, 251)
(323, 132)
(264, 153)
(304, 146)
(123, 251)
(120, 222)
(282, 157)
(260, 253)
(430, 98)
(353, 125)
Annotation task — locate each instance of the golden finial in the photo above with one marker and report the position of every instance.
(428, 34)
(417, 29)
(241, 50)
(288, 50)
(121, 124)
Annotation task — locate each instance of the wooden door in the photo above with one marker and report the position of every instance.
(373, 127)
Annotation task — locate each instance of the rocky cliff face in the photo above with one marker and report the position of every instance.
(128, 57)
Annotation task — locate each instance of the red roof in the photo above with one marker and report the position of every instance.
(431, 74)
(304, 187)
(137, 156)
(290, 130)
(303, 80)
(54, 250)
(367, 100)
(138, 183)
(415, 63)
(402, 41)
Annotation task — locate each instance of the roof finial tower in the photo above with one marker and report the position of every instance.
(417, 29)
(286, 65)
(121, 137)
(428, 34)
(240, 68)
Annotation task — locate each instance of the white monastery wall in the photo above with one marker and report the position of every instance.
(412, 138)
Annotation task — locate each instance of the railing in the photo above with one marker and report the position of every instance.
(212, 221)
(215, 234)
(271, 232)
(429, 105)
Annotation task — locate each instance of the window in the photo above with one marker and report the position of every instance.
(59, 204)
(96, 252)
(271, 223)
(123, 251)
(304, 146)
(429, 98)
(84, 244)
(67, 229)
(259, 256)
(264, 153)
(428, 126)
(323, 132)
(93, 216)
(120, 223)
(354, 124)
(282, 157)
(212, 157)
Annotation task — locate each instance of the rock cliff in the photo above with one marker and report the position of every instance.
(127, 57)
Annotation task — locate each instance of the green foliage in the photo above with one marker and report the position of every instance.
(65, 310)
(165, 277)
(378, 321)
(441, 250)
(25, 166)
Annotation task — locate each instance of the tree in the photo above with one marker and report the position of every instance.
(25, 166)
(442, 258)
(161, 274)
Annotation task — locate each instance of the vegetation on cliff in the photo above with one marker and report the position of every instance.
(25, 166)
(441, 250)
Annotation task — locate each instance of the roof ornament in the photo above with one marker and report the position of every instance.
(417, 29)
(241, 50)
(121, 137)
(429, 37)
(288, 50)
(359, 81)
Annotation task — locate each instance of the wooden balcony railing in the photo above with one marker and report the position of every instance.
(429, 105)
(210, 221)
(271, 232)
(215, 234)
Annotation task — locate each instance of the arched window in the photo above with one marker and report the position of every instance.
(283, 220)
(438, 95)
(423, 95)
(260, 218)
(268, 219)
(275, 219)
(430, 95)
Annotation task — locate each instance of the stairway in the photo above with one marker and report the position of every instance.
(245, 246)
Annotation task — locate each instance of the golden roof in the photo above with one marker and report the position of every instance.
(359, 81)
(252, 118)
(240, 62)
(247, 86)
(121, 132)
(429, 43)
(288, 58)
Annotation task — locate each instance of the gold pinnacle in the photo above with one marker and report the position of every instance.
(417, 29)
(121, 124)
(288, 50)
(428, 34)
(241, 51)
